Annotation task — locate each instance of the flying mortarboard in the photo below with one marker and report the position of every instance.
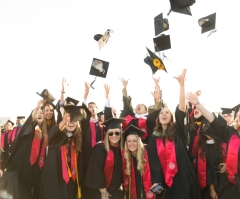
(11, 122)
(46, 95)
(181, 6)
(154, 62)
(102, 39)
(160, 24)
(226, 110)
(98, 68)
(207, 23)
(162, 42)
(113, 123)
(133, 130)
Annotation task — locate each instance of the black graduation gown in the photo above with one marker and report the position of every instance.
(95, 178)
(29, 177)
(6, 149)
(150, 121)
(53, 185)
(185, 184)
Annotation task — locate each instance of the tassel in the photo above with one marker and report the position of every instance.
(69, 173)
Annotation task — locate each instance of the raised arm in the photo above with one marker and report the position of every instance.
(64, 88)
(86, 92)
(39, 105)
(157, 94)
(193, 98)
(182, 98)
(107, 90)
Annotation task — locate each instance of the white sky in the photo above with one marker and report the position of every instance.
(43, 41)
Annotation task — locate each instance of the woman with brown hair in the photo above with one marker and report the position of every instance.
(29, 153)
(169, 159)
(60, 178)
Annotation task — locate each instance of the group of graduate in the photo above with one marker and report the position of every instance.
(142, 154)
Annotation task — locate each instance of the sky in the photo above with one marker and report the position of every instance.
(43, 41)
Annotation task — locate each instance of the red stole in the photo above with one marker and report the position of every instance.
(15, 132)
(94, 133)
(108, 167)
(232, 158)
(9, 134)
(201, 170)
(167, 157)
(224, 152)
(195, 146)
(36, 149)
(66, 171)
(142, 124)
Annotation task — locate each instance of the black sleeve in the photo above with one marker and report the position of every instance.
(151, 121)
(107, 113)
(127, 107)
(179, 116)
(95, 177)
(57, 138)
(155, 165)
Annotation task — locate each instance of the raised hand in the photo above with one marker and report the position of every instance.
(198, 93)
(181, 79)
(64, 85)
(157, 93)
(192, 98)
(124, 82)
(86, 90)
(107, 89)
(40, 104)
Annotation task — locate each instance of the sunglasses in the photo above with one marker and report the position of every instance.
(112, 133)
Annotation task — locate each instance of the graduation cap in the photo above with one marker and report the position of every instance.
(226, 110)
(77, 113)
(113, 123)
(20, 117)
(102, 39)
(236, 109)
(181, 6)
(133, 130)
(99, 68)
(11, 122)
(162, 42)
(69, 102)
(154, 62)
(46, 95)
(160, 24)
(100, 113)
(207, 23)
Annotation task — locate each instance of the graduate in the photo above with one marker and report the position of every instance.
(104, 174)
(169, 159)
(137, 176)
(6, 141)
(28, 154)
(17, 128)
(60, 178)
(140, 118)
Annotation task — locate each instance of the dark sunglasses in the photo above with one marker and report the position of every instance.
(116, 133)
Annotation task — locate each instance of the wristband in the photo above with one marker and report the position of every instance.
(63, 91)
(196, 104)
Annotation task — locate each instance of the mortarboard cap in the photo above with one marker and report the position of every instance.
(113, 123)
(99, 68)
(207, 23)
(78, 113)
(236, 109)
(154, 62)
(20, 117)
(10, 122)
(100, 113)
(226, 110)
(133, 130)
(69, 102)
(181, 6)
(46, 95)
(102, 39)
(162, 42)
(160, 24)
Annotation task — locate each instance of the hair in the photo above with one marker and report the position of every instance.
(93, 104)
(11, 126)
(170, 131)
(53, 120)
(140, 157)
(107, 143)
(235, 124)
(77, 137)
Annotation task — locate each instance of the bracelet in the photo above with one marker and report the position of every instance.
(63, 91)
(196, 104)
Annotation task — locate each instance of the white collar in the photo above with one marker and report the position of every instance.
(93, 120)
(141, 116)
(69, 134)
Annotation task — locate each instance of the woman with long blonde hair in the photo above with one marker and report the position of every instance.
(136, 168)
(61, 175)
(29, 152)
(104, 174)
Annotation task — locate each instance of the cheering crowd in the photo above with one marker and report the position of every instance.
(148, 153)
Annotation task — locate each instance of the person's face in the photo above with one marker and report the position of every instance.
(93, 109)
(48, 113)
(140, 109)
(40, 116)
(17, 121)
(238, 118)
(114, 136)
(164, 116)
(197, 113)
(8, 126)
(102, 118)
(132, 143)
(228, 118)
(71, 126)
(114, 112)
